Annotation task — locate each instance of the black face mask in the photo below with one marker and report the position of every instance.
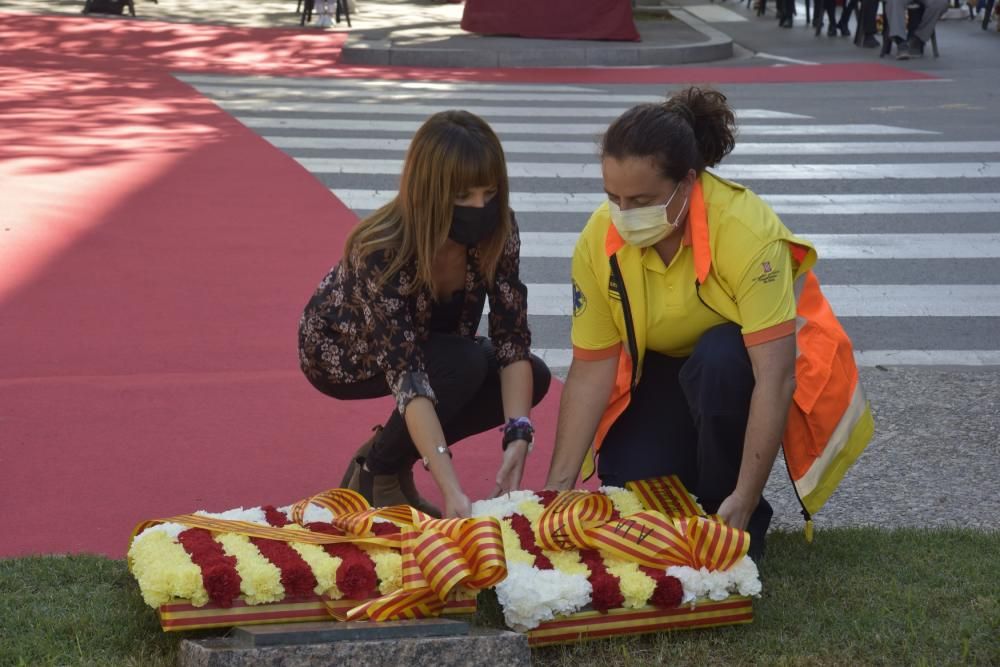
(470, 225)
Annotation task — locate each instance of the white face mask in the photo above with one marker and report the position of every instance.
(645, 226)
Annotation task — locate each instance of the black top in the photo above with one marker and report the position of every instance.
(447, 315)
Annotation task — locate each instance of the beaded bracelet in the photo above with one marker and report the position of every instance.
(519, 428)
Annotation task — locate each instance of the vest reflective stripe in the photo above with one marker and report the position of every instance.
(829, 421)
(849, 439)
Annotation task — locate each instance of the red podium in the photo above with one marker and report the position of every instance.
(552, 19)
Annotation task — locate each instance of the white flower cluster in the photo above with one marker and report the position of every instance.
(171, 529)
(741, 578)
(251, 515)
(530, 596)
(312, 513)
(503, 506)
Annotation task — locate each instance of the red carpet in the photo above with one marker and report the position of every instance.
(155, 256)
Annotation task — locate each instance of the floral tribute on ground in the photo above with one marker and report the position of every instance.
(566, 566)
(620, 561)
(329, 556)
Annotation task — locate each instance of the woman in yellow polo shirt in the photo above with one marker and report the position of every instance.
(684, 314)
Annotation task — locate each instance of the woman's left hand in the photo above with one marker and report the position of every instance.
(736, 510)
(512, 468)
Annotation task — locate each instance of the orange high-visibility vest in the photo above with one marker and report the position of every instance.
(829, 422)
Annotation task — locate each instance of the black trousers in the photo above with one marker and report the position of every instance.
(687, 417)
(465, 377)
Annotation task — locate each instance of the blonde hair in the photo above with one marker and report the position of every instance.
(452, 152)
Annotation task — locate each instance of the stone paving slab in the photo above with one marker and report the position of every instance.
(496, 648)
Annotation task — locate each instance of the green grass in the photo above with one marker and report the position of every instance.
(857, 597)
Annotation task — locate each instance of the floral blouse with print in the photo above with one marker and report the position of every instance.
(353, 329)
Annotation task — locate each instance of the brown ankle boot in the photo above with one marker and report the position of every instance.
(378, 490)
(413, 496)
(362, 453)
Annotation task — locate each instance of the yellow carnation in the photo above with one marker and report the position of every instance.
(567, 562)
(532, 510)
(388, 568)
(636, 586)
(625, 502)
(261, 578)
(512, 545)
(165, 571)
(323, 565)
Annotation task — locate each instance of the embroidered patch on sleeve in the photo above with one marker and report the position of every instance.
(768, 274)
(579, 300)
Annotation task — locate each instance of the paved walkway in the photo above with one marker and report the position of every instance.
(424, 34)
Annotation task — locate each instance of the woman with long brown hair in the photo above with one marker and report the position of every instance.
(399, 313)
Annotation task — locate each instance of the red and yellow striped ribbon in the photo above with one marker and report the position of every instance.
(437, 554)
(669, 532)
(665, 495)
(563, 525)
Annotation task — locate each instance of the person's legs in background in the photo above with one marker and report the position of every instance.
(844, 24)
(933, 10)
(867, 25)
(895, 14)
(718, 382)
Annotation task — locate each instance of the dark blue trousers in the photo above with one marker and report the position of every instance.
(687, 417)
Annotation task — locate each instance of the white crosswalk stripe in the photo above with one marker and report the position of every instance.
(847, 300)
(833, 204)
(923, 288)
(514, 147)
(739, 172)
(592, 130)
(828, 246)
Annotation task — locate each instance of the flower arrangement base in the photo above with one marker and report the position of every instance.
(588, 625)
(182, 615)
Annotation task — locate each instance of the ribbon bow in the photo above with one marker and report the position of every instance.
(582, 520)
(437, 554)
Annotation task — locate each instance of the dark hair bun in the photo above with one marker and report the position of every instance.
(711, 118)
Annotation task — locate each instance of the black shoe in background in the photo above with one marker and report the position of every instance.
(870, 42)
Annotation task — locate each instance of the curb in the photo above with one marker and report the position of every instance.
(716, 46)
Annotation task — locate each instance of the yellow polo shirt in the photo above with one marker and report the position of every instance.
(757, 273)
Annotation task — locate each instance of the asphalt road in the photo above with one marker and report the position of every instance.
(898, 183)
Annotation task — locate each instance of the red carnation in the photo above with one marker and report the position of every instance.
(356, 579)
(222, 582)
(547, 497)
(607, 592)
(296, 576)
(526, 536)
(668, 593)
(385, 529)
(274, 517)
(326, 528)
(218, 571)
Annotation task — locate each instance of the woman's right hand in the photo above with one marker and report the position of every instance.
(457, 506)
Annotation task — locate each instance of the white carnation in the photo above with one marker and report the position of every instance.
(530, 596)
(251, 515)
(315, 513)
(171, 529)
(742, 578)
(503, 506)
